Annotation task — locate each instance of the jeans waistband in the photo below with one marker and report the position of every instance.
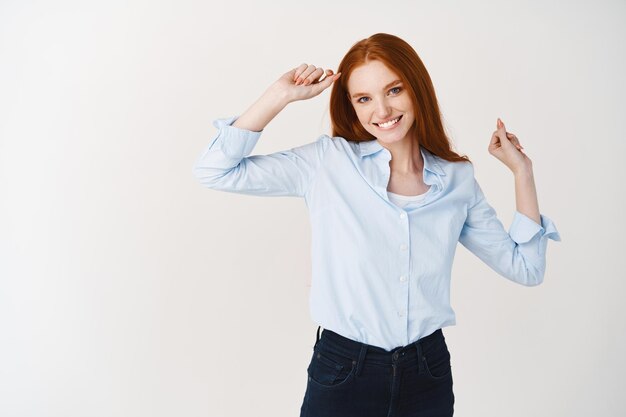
(375, 354)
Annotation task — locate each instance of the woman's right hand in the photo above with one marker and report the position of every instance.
(304, 82)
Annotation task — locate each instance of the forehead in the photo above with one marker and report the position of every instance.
(370, 77)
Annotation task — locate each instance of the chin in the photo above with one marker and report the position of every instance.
(392, 137)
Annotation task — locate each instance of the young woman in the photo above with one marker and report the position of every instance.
(388, 201)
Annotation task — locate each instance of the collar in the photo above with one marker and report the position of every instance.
(431, 162)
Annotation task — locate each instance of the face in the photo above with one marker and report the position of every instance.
(378, 98)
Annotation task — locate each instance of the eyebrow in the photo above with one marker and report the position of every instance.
(384, 88)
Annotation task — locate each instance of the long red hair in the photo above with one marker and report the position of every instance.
(401, 58)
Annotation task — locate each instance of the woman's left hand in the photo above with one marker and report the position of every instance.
(506, 147)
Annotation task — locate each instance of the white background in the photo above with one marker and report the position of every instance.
(128, 289)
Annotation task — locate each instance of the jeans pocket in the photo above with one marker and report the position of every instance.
(437, 362)
(330, 370)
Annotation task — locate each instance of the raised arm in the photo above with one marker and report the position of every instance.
(520, 254)
(301, 83)
(226, 165)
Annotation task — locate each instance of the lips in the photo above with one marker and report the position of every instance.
(393, 118)
(398, 117)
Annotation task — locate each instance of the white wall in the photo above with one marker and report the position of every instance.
(127, 289)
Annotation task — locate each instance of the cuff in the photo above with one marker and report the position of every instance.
(523, 228)
(235, 142)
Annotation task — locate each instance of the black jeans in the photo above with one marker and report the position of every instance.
(347, 378)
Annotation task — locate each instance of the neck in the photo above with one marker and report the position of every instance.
(406, 157)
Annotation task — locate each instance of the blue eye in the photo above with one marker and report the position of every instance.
(394, 88)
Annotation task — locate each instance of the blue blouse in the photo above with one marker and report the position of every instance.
(380, 272)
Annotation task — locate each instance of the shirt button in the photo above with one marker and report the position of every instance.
(400, 313)
(402, 215)
(403, 246)
(402, 278)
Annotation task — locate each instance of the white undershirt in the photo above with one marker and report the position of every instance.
(404, 200)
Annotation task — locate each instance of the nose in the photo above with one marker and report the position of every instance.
(383, 110)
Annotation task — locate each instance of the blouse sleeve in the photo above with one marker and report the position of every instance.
(520, 254)
(226, 163)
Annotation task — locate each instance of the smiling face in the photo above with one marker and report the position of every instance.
(378, 95)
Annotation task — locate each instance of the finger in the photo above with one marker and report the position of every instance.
(305, 74)
(314, 76)
(501, 128)
(494, 139)
(501, 132)
(515, 140)
(302, 73)
(299, 71)
(516, 144)
(326, 82)
(327, 73)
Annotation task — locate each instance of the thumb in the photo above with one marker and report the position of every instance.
(292, 74)
(499, 124)
(504, 139)
(326, 82)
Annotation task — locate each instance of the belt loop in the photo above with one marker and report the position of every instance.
(359, 363)
(420, 356)
(317, 339)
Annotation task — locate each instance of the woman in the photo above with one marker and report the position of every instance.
(388, 201)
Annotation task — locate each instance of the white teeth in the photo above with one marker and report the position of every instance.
(389, 123)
